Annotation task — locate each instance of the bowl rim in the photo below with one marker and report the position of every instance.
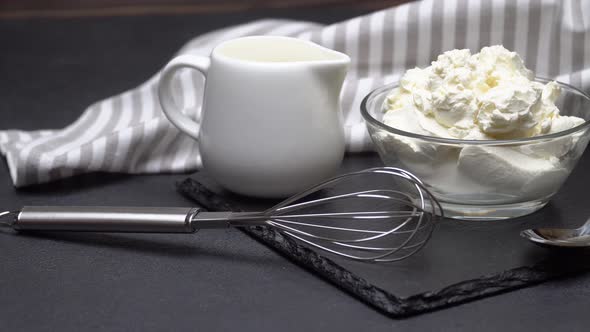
(388, 87)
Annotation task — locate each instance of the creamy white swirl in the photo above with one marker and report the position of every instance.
(487, 95)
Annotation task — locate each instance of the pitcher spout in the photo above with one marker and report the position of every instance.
(331, 73)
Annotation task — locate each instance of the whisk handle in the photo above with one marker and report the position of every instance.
(106, 219)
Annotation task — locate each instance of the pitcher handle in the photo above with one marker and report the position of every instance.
(174, 113)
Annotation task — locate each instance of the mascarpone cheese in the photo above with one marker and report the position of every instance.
(489, 95)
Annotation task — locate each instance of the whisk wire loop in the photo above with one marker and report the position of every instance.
(368, 234)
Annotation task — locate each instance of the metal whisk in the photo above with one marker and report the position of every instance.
(388, 219)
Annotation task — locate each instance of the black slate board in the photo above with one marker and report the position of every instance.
(407, 288)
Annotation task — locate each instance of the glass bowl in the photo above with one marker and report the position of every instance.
(484, 179)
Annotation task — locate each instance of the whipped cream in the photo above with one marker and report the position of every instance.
(489, 95)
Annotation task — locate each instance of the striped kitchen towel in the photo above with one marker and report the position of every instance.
(129, 133)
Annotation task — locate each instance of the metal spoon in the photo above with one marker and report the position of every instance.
(560, 237)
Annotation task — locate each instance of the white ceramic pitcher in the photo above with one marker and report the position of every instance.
(271, 123)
